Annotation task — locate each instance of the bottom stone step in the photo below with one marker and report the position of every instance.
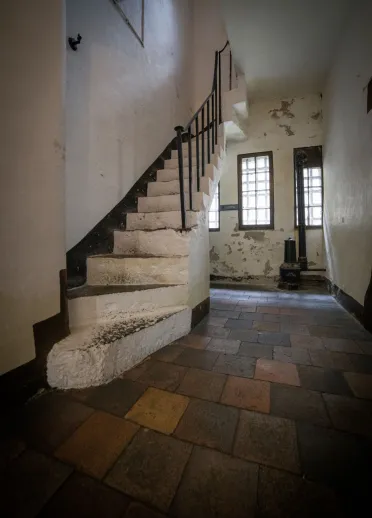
(97, 354)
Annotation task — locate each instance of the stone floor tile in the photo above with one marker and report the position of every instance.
(270, 317)
(360, 384)
(323, 380)
(224, 314)
(97, 443)
(268, 309)
(257, 317)
(274, 339)
(224, 345)
(336, 332)
(306, 342)
(223, 306)
(202, 384)
(339, 460)
(235, 365)
(341, 345)
(198, 359)
(216, 485)
(137, 510)
(29, 482)
(277, 372)
(10, 449)
(136, 372)
(116, 397)
(150, 469)
(330, 360)
(294, 328)
(248, 309)
(271, 327)
(283, 495)
(216, 321)
(48, 420)
(350, 414)
(365, 346)
(211, 331)
(256, 350)
(195, 341)
(163, 375)
(169, 353)
(83, 497)
(360, 363)
(240, 323)
(158, 410)
(247, 393)
(208, 424)
(244, 335)
(292, 355)
(267, 440)
(299, 404)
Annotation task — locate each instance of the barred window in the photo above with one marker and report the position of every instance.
(313, 189)
(214, 211)
(256, 190)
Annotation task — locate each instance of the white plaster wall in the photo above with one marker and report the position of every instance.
(123, 101)
(209, 35)
(260, 253)
(31, 172)
(348, 159)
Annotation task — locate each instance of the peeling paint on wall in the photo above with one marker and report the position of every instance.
(283, 111)
(213, 255)
(287, 129)
(256, 235)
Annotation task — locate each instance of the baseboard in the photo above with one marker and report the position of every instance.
(199, 312)
(347, 302)
(19, 384)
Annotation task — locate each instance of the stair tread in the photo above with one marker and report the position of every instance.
(90, 291)
(113, 329)
(135, 256)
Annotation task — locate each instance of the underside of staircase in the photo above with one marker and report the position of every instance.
(140, 297)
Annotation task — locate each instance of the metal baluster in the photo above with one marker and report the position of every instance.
(213, 128)
(179, 130)
(190, 165)
(216, 114)
(197, 153)
(203, 143)
(208, 132)
(230, 81)
(220, 88)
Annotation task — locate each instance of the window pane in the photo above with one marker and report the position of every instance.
(214, 211)
(255, 195)
(313, 196)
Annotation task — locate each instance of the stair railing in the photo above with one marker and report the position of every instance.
(203, 125)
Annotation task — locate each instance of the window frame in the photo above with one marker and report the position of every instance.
(240, 158)
(217, 229)
(312, 165)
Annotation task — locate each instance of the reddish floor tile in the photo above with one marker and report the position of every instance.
(195, 341)
(136, 372)
(277, 372)
(168, 353)
(97, 443)
(202, 384)
(246, 393)
(271, 327)
(306, 342)
(360, 384)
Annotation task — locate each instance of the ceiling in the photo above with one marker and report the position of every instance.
(284, 47)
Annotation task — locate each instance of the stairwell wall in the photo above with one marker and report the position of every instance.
(348, 158)
(123, 101)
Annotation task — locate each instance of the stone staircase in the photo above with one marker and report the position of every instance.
(140, 298)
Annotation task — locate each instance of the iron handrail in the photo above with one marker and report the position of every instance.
(213, 106)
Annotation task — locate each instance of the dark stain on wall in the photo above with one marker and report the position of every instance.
(267, 268)
(317, 115)
(287, 129)
(256, 235)
(213, 255)
(283, 111)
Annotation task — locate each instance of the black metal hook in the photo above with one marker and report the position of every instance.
(75, 42)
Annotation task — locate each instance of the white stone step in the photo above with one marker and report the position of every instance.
(88, 305)
(172, 202)
(173, 187)
(121, 269)
(167, 175)
(160, 220)
(97, 354)
(158, 243)
(217, 150)
(172, 163)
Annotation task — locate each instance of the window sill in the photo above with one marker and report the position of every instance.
(214, 230)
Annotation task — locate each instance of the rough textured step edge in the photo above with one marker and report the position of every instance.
(167, 175)
(172, 163)
(158, 243)
(172, 202)
(159, 188)
(161, 220)
(97, 355)
(100, 306)
(113, 269)
(218, 149)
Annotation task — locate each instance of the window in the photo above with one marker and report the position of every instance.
(313, 188)
(256, 191)
(214, 211)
